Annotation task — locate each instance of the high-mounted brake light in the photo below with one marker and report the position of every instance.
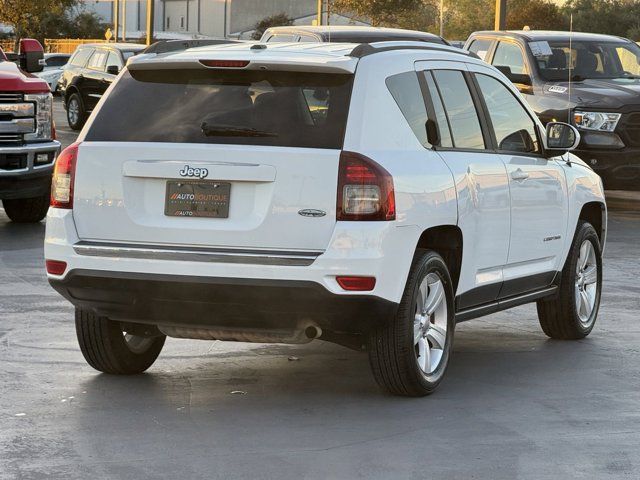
(365, 190)
(225, 63)
(63, 177)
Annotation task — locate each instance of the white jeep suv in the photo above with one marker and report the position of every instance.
(369, 195)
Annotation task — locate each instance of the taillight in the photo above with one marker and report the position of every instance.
(63, 177)
(356, 284)
(365, 190)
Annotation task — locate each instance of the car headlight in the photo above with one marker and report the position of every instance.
(44, 107)
(603, 122)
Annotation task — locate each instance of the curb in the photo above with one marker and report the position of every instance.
(622, 200)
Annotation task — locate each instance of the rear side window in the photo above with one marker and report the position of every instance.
(480, 47)
(114, 60)
(97, 60)
(439, 115)
(405, 90)
(460, 109)
(81, 56)
(509, 55)
(246, 107)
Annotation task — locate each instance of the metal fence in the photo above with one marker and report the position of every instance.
(7, 45)
(67, 45)
(55, 45)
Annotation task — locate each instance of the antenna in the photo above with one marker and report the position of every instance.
(570, 67)
(568, 160)
(328, 18)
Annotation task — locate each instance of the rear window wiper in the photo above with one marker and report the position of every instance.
(219, 130)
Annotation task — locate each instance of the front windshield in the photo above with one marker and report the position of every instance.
(588, 60)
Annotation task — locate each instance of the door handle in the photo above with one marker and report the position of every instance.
(519, 175)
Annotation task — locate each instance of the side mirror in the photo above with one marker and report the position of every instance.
(113, 70)
(561, 138)
(31, 55)
(517, 78)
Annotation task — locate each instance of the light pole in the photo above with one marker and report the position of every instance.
(442, 18)
(150, 20)
(501, 15)
(124, 20)
(116, 14)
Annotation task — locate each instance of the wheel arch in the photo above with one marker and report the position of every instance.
(596, 214)
(448, 242)
(70, 90)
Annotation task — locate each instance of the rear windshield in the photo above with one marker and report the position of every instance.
(249, 107)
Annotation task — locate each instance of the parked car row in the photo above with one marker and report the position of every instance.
(594, 84)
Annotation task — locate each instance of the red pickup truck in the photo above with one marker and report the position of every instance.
(27, 135)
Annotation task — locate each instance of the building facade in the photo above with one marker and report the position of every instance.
(210, 18)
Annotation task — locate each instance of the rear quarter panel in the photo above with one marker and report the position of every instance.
(424, 186)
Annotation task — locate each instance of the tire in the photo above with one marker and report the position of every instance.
(109, 350)
(572, 313)
(27, 210)
(398, 349)
(76, 114)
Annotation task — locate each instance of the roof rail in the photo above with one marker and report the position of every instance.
(366, 49)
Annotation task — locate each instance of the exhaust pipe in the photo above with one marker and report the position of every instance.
(313, 331)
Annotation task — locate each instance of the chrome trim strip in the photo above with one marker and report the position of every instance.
(196, 254)
(18, 109)
(18, 125)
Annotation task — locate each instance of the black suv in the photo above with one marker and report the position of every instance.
(88, 74)
(346, 33)
(591, 80)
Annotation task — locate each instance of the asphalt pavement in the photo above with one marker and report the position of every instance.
(65, 135)
(514, 404)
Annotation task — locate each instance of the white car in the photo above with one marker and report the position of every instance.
(369, 195)
(54, 64)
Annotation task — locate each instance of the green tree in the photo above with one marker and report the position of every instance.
(279, 20)
(466, 16)
(613, 17)
(413, 14)
(27, 17)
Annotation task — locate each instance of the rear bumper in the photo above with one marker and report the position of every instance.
(356, 248)
(232, 303)
(31, 180)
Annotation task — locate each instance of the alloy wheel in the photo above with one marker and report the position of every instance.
(430, 323)
(586, 283)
